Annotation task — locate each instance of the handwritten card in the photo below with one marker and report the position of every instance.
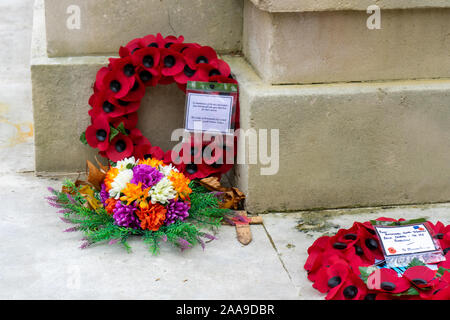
(208, 112)
(408, 239)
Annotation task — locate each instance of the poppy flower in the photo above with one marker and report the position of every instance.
(120, 147)
(369, 245)
(148, 78)
(171, 62)
(137, 137)
(115, 83)
(123, 65)
(196, 56)
(124, 52)
(145, 151)
(129, 121)
(442, 294)
(441, 232)
(387, 280)
(103, 105)
(200, 73)
(97, 134)
(218, 67)
(181, 47)
(332, 276)
(446, 263)
(133, 46)
(100, 77)
(315, 251)
(420, 276)
(148, 59)
(352, 288)
(159, 41)
(135, 95)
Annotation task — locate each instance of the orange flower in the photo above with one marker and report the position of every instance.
(133, 192)
(151, 162)
(180, 184)
(110, 205)
(153, 217)
(110, 176)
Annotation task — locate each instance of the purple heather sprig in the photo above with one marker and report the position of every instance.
(184, 244)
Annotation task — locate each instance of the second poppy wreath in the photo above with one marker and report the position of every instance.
(120, 87)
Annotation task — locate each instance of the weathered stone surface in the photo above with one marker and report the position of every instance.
(347, 144)
(337, 46)
(108, 24)
(61, 90)
(334, 5)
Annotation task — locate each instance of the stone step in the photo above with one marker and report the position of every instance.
(341, 145)
(337, 46)
(335, 5)
(347, 145)
(105, 25)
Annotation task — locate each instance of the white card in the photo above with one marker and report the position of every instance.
(208, 112)
(408, 239)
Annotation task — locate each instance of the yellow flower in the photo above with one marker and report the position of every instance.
(180, 184)
(133, 192)
(151, 162)
(110, 176)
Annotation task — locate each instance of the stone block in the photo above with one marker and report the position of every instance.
(61, 88)
(347, 145)
(335, 5)
(105, 25)
(337, 46)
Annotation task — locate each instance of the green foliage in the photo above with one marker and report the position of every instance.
(410, 292)
(115, 131)
(415, 262)
(366, 272)
(440, 272)
(83, 138)
(98, 226)
(397, 223)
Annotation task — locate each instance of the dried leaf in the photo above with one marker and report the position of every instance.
(95, 176)
(231, 197)
(88, 193)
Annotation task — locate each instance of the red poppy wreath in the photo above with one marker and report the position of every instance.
(120, 87)
(342, 266)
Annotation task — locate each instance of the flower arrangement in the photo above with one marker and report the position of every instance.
(120, 87)
(145, 194)
(142, 197)
(343, 267)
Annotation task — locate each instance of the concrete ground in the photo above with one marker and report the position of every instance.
(39, 261)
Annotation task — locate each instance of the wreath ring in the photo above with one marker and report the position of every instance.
(342, 266)
(120, 87)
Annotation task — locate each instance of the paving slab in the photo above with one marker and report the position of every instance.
(40, 261)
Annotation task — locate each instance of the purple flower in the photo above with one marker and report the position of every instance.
(113, 241)
(84, 245)
(125, 217)
(71, 229)
(184, 244)
(146, 174)
(176, 210)
(209, 236)
(104, 195)
(52, 190)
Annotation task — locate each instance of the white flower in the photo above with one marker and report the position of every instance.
(122, 164)
(162, 191)
(120, 182)
(166, 170)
